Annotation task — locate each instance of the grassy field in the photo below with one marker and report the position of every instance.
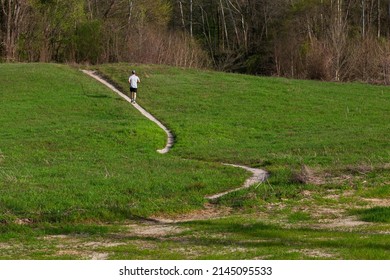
(300, 131)
(80, 176)
(73, 151)
(261, 121)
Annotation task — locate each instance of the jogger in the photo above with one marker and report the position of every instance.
(133, 81)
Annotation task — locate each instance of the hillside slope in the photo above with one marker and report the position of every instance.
(262, 121)
(71, 150)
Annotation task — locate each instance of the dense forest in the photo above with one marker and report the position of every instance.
(336, 40)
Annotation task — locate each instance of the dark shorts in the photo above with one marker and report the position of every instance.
(133, 89)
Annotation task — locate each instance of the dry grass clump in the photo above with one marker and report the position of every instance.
(308, 175)
(347, 175)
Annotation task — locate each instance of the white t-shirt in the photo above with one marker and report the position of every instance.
(134, 80)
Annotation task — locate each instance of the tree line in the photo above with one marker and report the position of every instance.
(95, 31)
(337, 40)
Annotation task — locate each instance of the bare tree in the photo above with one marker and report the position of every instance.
(13, 12)
(224, 25)
(182, 14)
(191, 18)
(363, 19)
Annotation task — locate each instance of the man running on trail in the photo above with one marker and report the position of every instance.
(133, 81)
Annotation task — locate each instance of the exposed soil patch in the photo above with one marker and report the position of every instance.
(77, 246)
(348, 222)
(4, 246)
(99, 256)
(311, 253)
(377, 202)
(101, 244)
(23, 221)
(209, 211)
(72, 252)
(54, 237)
(156, 230)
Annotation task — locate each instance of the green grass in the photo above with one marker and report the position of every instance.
(79, 167)
(341, 130)
(262, 121)
(375, 215)
(71, 150)
(299, 217)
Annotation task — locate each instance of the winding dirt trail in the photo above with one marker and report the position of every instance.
(170, 138)
(258, 175)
